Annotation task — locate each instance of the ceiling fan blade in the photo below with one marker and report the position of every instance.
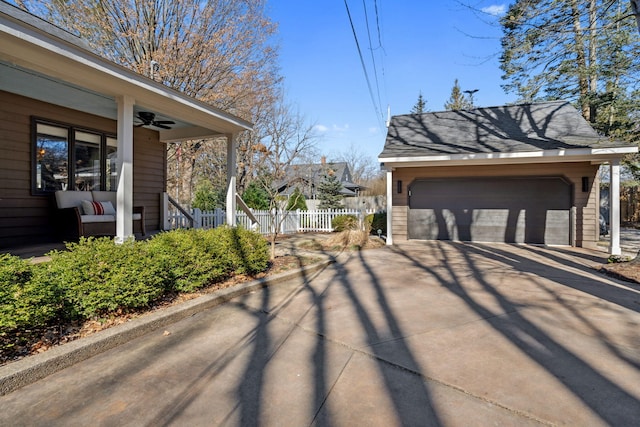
(164, 122)
(160, 125)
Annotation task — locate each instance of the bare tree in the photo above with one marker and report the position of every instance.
(218, 51)
(285, 139)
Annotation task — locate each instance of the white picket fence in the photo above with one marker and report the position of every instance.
(289, 222)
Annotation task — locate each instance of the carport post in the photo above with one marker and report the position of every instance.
(389, 207)
(614, 208)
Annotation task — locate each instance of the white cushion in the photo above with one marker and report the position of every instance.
(97, 218)
(72, 199)
(97, 208)
(105, 196)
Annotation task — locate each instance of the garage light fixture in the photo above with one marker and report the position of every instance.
(399, 186)
(585, 184)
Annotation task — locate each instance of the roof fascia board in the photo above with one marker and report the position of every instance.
(598, 155)
(32, 48)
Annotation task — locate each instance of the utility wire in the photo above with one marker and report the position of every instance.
(373, 58)
(364, 68)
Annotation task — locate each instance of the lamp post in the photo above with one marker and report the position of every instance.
(470, 93)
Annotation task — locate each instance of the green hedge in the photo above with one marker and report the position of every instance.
(95, 277)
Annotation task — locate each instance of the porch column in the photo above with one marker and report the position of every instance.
(231, 179)
(389, 207)
(614, 208)
(124, 208)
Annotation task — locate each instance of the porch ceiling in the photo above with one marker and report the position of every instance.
(54, 67)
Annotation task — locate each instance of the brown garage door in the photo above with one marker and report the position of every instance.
(512, 210)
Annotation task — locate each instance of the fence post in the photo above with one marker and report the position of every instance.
(197, 218)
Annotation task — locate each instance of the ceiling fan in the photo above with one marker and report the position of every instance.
(149, 119)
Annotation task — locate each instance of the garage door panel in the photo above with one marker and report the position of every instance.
(491, 209)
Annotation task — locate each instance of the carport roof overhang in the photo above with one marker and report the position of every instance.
(46, 63)
(592, 155)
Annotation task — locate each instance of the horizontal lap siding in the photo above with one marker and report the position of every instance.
(149, 175)
(25, 219)
(587, 206)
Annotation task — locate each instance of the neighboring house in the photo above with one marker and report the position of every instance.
(306, 177)
(70, 120)
(517, 174)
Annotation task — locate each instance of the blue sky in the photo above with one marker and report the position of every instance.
(426, 45)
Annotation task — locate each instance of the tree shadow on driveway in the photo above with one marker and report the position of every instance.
(612, 403)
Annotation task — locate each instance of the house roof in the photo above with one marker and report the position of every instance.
(546, 131)
(312, 173)
(45, 62)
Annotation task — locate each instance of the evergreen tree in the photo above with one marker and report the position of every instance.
(457, 101)
(420, 106)
(206, 197)
(570, 49)
(329, 192)
(296, 201)
(256, 197)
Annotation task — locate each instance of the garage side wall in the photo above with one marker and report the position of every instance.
(586, 202)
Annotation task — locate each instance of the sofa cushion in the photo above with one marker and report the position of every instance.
(105, 196)
(72, 199)
(97, 208)
(97, 218)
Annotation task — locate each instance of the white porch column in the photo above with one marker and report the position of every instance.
(231, 179)
(390, 207)
(124, 208)
(614, 208)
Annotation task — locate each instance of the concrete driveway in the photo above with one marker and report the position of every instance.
(438, 333)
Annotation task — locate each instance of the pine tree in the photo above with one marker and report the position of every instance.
(329, 192)
(296, 201)
(420, 106)
(457, 100)
(569, 49)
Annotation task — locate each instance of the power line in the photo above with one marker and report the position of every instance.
(364, 68)
(373, 58)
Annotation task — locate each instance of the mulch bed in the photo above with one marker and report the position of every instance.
(627, 271)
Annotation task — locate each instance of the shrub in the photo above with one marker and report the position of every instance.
(377, 221)
(190, 259)
(250, 251)
(98, 276)
(24, 301)
(344, 222)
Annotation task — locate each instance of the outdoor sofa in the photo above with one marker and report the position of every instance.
(91, 213)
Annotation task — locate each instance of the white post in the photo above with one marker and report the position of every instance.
(231, 179)
(164, 212)
(124, 208)
(389, 206)
(614, 208)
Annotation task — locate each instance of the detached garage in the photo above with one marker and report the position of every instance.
(515, 174)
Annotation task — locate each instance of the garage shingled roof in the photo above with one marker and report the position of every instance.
(506, 129)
